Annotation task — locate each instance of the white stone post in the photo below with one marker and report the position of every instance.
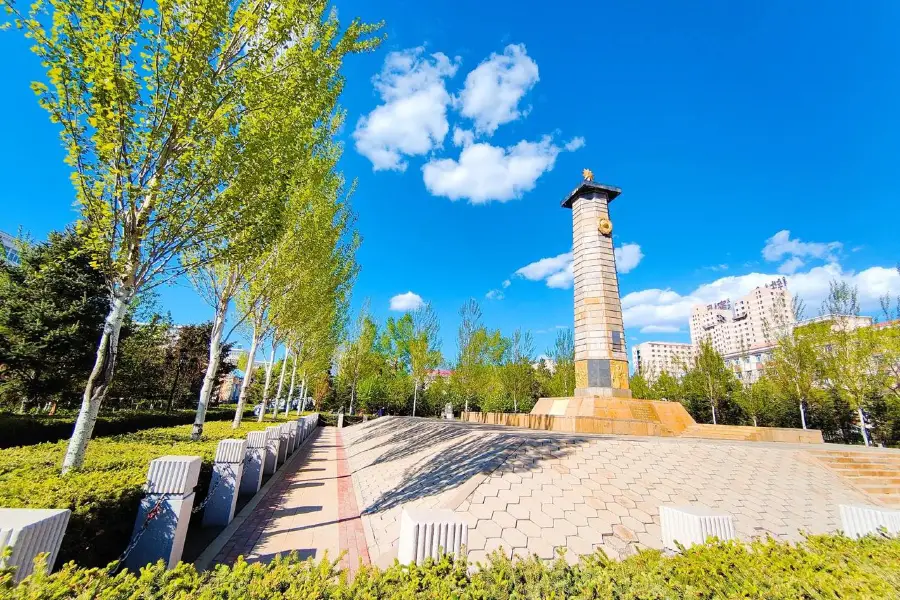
(273, 447)
(429, 533)
(29, 532)
(693, 524)
(226, 481)
(285, 447)
(340, 420)
(254, 462)
(162, 519)
(858, 520)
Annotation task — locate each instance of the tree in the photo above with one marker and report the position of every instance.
(423, 347)
(159, 107)
(639, 386)
(755, 399)
(666, 387)
(794, 368)
(470, 322)
(52, 307)
(563, 355)
(516, 371)
(715, 378)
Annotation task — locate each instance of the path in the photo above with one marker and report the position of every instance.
(311, 511)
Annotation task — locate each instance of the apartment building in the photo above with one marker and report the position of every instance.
(652, 358)
(748, 325)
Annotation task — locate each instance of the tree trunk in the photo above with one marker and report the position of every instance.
(245, 384)
(862, 425)
(302, 401)
(755, 422)
(265, 397)
(287, 353)
(98, 381)
(352, 394)
(290, 396)
(53, 407)
(415, 396)
(209, 379)
(713, 405)
(802, 415)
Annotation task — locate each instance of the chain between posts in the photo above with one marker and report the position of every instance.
(154, 512)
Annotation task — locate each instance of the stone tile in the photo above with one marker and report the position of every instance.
(519, 511)
(540, 547)
(504, 519)
(488, 529)
(514, 537)
(529, 528)
(575, 518)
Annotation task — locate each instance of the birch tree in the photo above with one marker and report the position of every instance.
(151, 103)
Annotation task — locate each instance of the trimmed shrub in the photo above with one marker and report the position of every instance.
(820, 567)
(105, 494)
(24, 430)
(330, 419)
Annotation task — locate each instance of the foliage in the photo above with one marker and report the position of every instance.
(24, 430)
(51, 314)
(819, 567)
(104, 494)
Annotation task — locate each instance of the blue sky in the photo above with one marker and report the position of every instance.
(749, 140)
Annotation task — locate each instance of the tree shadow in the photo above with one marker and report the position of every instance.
(490, 449)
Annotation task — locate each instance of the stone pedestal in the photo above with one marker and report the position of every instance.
(254, 462)
(601, 362)
(693, 524)
(165, 511)
(430, 533)
(273, 447)
(858, 520)
(29, 532)
(226, 481)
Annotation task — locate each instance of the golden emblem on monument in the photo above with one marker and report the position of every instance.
(587, 174)
(605, 226)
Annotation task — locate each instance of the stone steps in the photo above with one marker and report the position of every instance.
(874, 472)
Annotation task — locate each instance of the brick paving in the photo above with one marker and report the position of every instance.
(312, 511)
(533, 492)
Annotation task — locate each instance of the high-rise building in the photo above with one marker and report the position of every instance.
(9, 248)
(652, 358)
(752, 323)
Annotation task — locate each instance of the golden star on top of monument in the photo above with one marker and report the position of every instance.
(587, 174)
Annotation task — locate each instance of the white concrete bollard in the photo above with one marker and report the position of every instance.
(693, 524)
(273, 447)
(226, 481)
(162, 519)
(29, 532)
(284, 448)
(340, 420)
(254, 462)
(430, 533)
(859, 520)
(292, 431)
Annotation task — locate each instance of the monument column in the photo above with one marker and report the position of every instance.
(601, 363)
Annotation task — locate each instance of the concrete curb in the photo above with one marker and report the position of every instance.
(204, 561)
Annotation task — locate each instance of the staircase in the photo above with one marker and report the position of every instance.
(873, 471)
(721, 432)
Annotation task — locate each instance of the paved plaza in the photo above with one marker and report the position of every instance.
(531, 492)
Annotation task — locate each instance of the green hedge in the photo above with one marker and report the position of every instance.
(820, 567)
(105, 494)
(24, 430)
(330, 419)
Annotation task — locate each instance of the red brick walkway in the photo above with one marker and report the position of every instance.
(311, 511)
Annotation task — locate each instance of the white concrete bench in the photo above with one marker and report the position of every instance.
(858, 520)
(29, 532)
(693, 524)
(429, 534)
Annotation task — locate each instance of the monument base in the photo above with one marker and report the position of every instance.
(670, 416)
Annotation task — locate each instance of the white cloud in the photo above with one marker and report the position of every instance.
(791, 265)
(557, 271)
(666, 308)
(407, 302)
(506, 283)
(494, 295)
(463, 137)
(574, 144)
(494, 88)
(413, 118)
(485, 172)
(660, 329)
(781, 245)
(628, 256)
(546, 266)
